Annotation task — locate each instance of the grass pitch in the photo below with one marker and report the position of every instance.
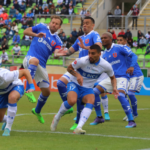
(28, 134)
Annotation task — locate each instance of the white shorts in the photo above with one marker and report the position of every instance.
(122, 84)
(67, 76)
(41, 76)
(135, 83)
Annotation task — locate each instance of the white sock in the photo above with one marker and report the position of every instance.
(61, 111)
(4, 119)
(11, 113)
(105, 104)
(85, 114)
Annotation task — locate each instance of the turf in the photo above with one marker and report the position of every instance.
(28, 134)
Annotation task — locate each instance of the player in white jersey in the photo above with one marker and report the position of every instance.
(85, 72)
(11, 90)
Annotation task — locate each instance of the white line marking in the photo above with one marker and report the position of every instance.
(69, 133)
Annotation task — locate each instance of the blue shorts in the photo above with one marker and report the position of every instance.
(4, 97)
(81, 91)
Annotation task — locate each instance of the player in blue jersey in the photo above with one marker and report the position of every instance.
(85, 72)
(136, 80)
(117, 55)
(11, 90)
(44, 43)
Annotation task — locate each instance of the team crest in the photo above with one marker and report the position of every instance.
(53, 43)
(115, 55)
(86, 41)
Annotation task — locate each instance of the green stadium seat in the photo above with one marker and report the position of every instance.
(147, 57)
(135, 38)
(10, 42)
(144, 51)
(79, 5)
(3, 30)
(141, 56)
(28, 48)
(13, 19)
(140, 64)
(55, 62)
(21, 31)
(139, 51)
(133, 50)
(75, 10)
(42, 20)
(48, 20)
(19, 25)
(21, 36)
(147, 65)
(23, 48)
(38, 20)
(49, 62)
(10, 47)
(61, 62)
(65, 21)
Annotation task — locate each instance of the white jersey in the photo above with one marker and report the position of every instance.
(91, 72)
(8, 79)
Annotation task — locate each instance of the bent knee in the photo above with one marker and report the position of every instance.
(34, 61)
(12, 99)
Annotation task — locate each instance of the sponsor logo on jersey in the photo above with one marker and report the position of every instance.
(86, 41)
(115, 62)
(53, 43)
(41, 40)
(75, 62)
(115, 55)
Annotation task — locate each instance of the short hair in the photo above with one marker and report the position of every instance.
(108, 34)
(97, 47)
(88, 17)
(57, 17)
(123, 36)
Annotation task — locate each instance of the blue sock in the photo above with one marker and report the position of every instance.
(62, 90)
(125, 105)
(133, 102)
(41, 101)
(32, 69)
(97, 103)
(79, 109)
(66, 104)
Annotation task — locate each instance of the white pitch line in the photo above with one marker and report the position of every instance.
(69, 133)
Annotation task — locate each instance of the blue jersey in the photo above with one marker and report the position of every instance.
(42, 48)
(137, 71)
(88, 40)
(117, 56)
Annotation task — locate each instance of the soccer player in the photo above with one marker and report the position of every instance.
(85, 72)
(44, 43)
(136, 80)
(117, 55)
(11, 90)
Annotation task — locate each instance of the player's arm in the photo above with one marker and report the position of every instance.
(33, 31)
(71, 69)
(26, 73)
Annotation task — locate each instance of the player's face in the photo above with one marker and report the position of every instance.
(94, 56)
(87, 26)
(106, 40)
(54, 25)
(121, 41)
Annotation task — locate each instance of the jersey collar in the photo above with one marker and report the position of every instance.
(50, 31)
(96, 62)
(89, 33)
(108, 50)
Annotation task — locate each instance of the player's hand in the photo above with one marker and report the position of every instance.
(41, 35)
(116, 93)
(61, 52)
(81, 44)
(130, 70)
(30, 90)
(80, 79)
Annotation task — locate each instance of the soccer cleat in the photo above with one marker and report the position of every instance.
(39, 116)
(97, 121)
(31, 97)
(106, 116)
(69, 111)
(79, 131)
(54, 124)
(74, 126)
(75, 119)
(4, 125)
(131, 124)
(6, 132)
(125, 118)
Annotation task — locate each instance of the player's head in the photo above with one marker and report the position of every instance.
(121, 39)
(88, 24)
(94, 53)
(106, 39)
(55, 24)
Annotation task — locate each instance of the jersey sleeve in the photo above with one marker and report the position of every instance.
(58, 43)
(125, 50)
(78, 63)
(109, 70)
(75, 45)
(36, 28)
(96, 38)
(9, 76)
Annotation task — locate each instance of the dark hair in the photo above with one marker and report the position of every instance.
(123, 36)
(88, 17)
(97, 47)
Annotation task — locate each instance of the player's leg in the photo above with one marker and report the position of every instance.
(88, 99)
(104, 100)
(30, 63)
(3, 117)
(72, 95)
(126, 118)
(62, 88)
(122, 86)
(15, 94)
